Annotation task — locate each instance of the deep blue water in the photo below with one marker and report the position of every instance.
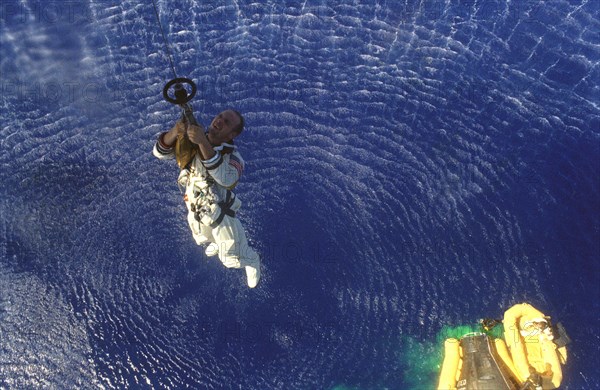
(409, 165)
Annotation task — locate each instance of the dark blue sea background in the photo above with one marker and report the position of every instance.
(409, 165)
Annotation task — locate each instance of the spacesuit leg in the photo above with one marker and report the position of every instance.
(234, 251)
(202, 234)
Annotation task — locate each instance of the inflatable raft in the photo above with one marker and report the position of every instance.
(529, 355)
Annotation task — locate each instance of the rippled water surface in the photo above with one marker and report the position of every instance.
(409, 165)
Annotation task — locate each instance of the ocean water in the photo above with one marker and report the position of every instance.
(410, 165)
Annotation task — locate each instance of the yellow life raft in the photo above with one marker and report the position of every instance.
(529, 356)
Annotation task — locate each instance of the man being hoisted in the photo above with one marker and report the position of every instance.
(210, 168)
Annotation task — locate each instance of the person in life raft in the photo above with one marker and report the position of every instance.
(210, 167)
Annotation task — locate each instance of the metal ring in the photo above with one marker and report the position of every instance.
(183, 98)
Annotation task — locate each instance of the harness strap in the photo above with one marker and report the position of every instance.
(225, 209)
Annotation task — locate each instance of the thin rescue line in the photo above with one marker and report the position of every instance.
(165, 39)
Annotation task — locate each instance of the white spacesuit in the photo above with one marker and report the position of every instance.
(211, 205)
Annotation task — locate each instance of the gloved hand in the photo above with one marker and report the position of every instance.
(181, 126)
(196, 133)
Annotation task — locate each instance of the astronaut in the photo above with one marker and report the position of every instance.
(210, 168)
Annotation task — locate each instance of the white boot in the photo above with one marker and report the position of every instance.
(253, 274)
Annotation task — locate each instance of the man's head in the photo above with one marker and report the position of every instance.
(225, 127)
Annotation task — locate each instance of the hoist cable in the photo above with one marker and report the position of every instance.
(168, 47)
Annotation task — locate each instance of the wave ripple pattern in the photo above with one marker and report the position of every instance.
(409, 165)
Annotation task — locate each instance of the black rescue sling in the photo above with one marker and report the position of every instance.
(225, 207)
